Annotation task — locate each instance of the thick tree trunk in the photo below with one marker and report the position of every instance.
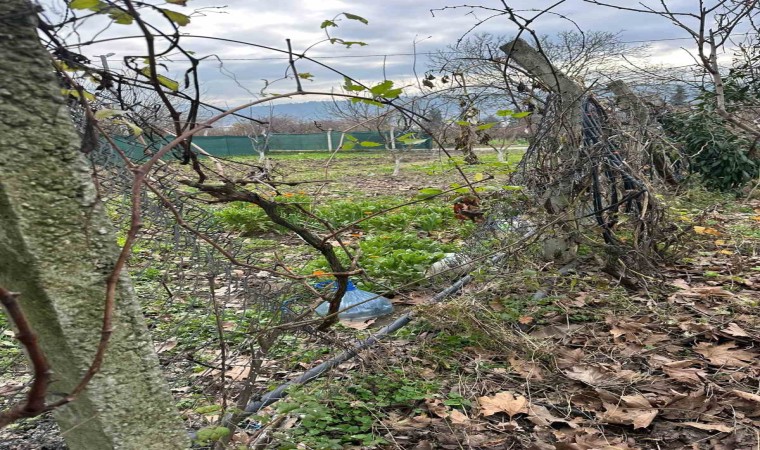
(556, 195)
(57, 248)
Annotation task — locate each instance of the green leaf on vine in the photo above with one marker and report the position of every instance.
(328, 23)
(370, 144)
(520, 115)
(486, 126)
(164, 81)
(348, 44)
(410, 139)
(176, 17)
(430, 192)
(84, 4)
(393, 93)
(305, 76)
(350, 86)
(106, 113)
(177, 2)
(381, 88)
(368, 101)
(355, 17)
(75, 93)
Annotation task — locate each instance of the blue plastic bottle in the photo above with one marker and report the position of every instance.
(366, 309)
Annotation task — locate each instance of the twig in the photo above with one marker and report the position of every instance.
(299, 88)
(220, 332)
(35, 400)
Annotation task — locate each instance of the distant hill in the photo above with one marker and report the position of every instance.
(304, 110)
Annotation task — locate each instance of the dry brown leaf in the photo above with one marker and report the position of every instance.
(712, 291)
(593, 376)
(708, 426)
(540, 415)
(166, 345)
(680, 284)
(735, 330)
(436, 407)
(238, 373)
(685, 375)
(695, 327)
(428, 374)
(638, 417)
(706, 230)
(423, 445)
(415, 298)
(657, 361)
(504, 402)
(636, 401)
(689, 406)
(458, 418)
(746, 395)
(569, 358)
(724, 354)
(631, 330)
(683, 363)
(525, 320)
(527, 369)
(656, 338)
(580, 299)
(590, 439)
(396, 422)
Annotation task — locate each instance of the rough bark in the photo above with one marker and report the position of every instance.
(536, 64)
(556, 197)
(57, 248)
(629, 100)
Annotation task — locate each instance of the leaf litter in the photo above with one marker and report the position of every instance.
(676, 367)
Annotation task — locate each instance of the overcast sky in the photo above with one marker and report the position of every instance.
(394, 27)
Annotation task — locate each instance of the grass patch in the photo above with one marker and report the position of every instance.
(333, 417)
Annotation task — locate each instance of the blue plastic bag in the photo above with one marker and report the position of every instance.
(366, 309)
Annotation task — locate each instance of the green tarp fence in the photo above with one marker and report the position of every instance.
(226, 146)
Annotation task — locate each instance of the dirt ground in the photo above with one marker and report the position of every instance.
(590, 364)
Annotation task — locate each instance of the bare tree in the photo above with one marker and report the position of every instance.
(711, 25)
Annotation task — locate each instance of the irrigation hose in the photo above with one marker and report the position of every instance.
(281, 391)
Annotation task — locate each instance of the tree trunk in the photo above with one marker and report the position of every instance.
(57, 248)
(649, 148)
(556, 196)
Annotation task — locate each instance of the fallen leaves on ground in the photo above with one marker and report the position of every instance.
(631, 410)
(505, 402)
(725, 354)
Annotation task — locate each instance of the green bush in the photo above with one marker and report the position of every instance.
(718, 154)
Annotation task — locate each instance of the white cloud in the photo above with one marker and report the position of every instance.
(393, 27)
